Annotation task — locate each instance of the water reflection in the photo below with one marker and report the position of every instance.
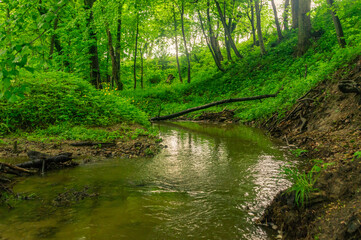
(209, 183)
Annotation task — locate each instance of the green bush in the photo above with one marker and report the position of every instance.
(54, 98)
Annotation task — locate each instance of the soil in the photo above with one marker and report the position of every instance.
(327, 124)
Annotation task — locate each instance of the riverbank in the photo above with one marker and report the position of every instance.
(325, 124)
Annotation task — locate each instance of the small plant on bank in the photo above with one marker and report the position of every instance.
(298, 152)
(302, 182)
(357, 155)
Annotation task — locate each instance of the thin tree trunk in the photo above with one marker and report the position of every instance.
(113, 57)
(135, 52)
(259, 29)
(226, 41)
(93, 50)
(218, 63)
(118, 46)
(252, 24)
(336, 21)
(285, 15)
(213, 39)
(176, 45)
(142, 50)
(227, 32)
(54, 42)
(185, 45)
(279, 32)
(304, 26)
(295, 13)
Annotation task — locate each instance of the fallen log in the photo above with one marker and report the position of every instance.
(38, 159)
(231, 100)
(90, 144)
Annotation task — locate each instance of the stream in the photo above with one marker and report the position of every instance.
(210, 182)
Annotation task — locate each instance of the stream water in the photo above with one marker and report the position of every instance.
(211, 182)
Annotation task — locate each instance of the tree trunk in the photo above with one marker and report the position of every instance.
(54, 42)
(185, 44)
(295, 13)
(218, 63)
(135, 52)
(93, 50)
(118, 46)
(142, 50)
(251, 19)
(213, 39)
(227, 32)
(336, 21)
(113, 57)
(279, 32)
(259, 29)
(304, 27)
(176, 45)
(285, 15)
(226, 41)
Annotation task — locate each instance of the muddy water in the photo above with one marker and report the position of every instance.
(210, 182)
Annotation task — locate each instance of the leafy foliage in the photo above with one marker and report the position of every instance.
(55, 98)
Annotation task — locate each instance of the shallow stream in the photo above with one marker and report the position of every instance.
(210, 182)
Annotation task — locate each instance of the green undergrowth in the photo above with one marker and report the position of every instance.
(62, 105)
(255, 75)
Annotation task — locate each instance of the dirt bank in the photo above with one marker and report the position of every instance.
(327, 124)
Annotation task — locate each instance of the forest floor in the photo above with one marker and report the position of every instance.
(326, 124)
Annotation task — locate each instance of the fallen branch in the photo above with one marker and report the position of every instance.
(231, 100)
(90, 144)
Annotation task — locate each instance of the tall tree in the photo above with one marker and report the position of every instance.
(118, 45)
(285, 15)
(259, 28)
(216, 60)
(113, 57)
(304, 26)
(185, 44)
(336, 21)
(279, 32)
(136, 48)
(93, 49)
(227, 32)
(212, 37)
(176, 45)
(295, 13)
(250, 15)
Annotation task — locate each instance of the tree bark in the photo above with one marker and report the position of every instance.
(251, 19)
(185, 45)
(118, 46)
(212, 38)
(93, 50)
(279, 32)
(135, 52)
(295, 13)
(231, 100)
(259, 29)
(218, 63)
(142, 50)
(285, 15)
(304, 27)
(54, 42)
(227, 32)
(226, 41)
(176, 45)
(336, 21)
(113, 57)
